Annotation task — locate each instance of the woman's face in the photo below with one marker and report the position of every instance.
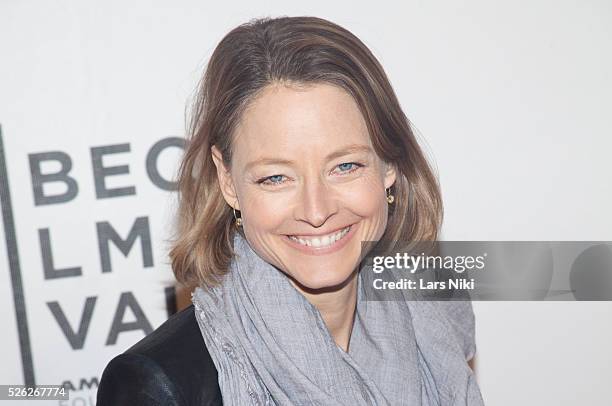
(307, 181)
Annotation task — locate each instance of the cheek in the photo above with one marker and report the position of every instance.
(368, 201)
(263, 212)
(366, 198)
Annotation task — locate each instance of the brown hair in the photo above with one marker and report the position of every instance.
(300, 50)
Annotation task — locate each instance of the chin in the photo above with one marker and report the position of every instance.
(322, 279)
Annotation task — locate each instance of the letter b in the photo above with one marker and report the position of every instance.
(39, 179)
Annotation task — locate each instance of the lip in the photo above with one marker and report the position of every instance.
(338, 245)
(322, 234)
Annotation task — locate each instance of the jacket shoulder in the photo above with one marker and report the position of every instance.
(132, 379)
(170, 366)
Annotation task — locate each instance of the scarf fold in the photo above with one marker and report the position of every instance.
(271, 346)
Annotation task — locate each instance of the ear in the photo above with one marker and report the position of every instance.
(225, 179)
(390, 174)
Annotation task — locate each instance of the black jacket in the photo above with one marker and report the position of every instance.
(169, 367)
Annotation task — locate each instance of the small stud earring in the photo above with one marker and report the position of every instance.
(390, 197)
(237, 218)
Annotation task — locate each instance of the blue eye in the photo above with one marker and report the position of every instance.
(275, 178)
(271, 180)
(346, 166)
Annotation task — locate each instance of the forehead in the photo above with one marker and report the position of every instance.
(303, 120)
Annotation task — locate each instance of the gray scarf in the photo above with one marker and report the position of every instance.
(271, 347)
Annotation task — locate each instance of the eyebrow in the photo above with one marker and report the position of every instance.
(351, 149)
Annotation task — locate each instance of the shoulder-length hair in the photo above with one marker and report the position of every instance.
(300, 50)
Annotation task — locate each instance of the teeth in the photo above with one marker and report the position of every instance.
(321, 241)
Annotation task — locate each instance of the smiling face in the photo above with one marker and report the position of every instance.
(307, 181)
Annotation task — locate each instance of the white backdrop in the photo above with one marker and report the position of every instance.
(512, 101)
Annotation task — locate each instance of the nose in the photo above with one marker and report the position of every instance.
(316, 203)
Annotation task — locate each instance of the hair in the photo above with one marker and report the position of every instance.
(301, 51)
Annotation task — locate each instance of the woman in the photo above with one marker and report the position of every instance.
(298, 152)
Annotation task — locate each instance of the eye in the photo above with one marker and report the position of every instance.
(271, 180)
(348, 167)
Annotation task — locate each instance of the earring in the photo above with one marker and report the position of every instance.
(238, 219)
(390, 197)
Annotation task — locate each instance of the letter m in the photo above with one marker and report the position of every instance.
(91, 384)
(106, 234)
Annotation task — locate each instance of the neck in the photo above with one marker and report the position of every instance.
(337, 308)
